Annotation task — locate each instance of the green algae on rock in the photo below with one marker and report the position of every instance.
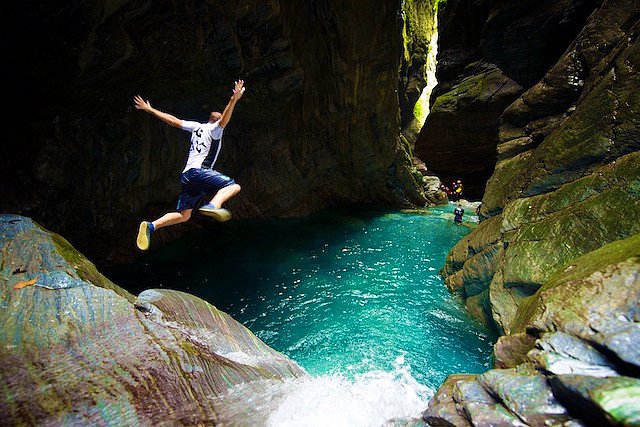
(576, 188)
(555, 262)
(594, 297)
(79, 352)
(604, 401)
(572, 355)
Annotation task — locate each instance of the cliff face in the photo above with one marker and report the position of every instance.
(78, 350)
(571, 358)
(489, 53)
(566, 179)
(554, 262)
(318, 126)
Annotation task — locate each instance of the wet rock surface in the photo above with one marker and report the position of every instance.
(78, 350)
(572, 187)
(553, 264)
(489, 53)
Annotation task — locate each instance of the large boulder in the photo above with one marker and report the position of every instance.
(78, 350)
(572, 358)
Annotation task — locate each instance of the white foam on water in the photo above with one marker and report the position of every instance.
(371, 399)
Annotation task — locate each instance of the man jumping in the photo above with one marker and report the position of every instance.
(198, 176)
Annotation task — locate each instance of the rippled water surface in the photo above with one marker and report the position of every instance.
(354, 297)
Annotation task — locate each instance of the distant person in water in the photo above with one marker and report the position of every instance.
(198, 178)
(458, 212)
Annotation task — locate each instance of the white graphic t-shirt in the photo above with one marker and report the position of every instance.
(206, 142)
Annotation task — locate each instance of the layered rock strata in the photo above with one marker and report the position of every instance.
(78, 350)
(554, 264)
(568, 178)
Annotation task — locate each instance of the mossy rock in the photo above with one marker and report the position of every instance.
(552, 229)
(578, 273)
(478, 270)
(480, 88)
(604, 401)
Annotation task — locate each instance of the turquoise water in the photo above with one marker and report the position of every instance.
(346, 294)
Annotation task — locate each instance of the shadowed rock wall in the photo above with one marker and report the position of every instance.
(318, 126)
(489, 53)
(566, 182)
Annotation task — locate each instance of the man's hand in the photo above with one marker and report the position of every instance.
(238, 90)
(141, 104)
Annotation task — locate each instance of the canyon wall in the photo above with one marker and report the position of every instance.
(566, 176)
(489, 53)
(553, 264)
(327, 84)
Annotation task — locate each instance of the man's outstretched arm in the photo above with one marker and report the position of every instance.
(238, 91)
(143, 105)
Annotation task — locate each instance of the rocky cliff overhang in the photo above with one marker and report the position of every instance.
(489, 53)
(78, 350)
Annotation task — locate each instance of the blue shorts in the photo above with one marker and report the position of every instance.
(197, 183)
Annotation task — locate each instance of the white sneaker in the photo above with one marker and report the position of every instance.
(219, 214)
(144, 235)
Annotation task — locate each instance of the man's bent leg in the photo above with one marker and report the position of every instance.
(224, 188)
(146, 228)
(172, 218)
(214, 208)
(225, 194)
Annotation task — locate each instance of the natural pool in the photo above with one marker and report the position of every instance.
(354, 297)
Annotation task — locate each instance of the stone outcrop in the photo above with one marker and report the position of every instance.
(327, 84)
(572, 357)
(78, 350)
(555, 261)
(567, 179)
(489, 53)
